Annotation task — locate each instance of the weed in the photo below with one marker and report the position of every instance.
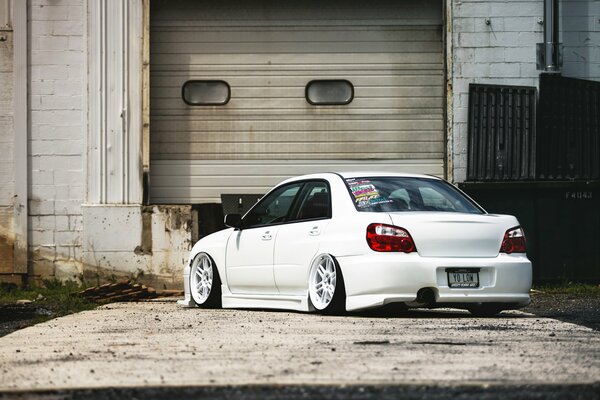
(56, 297)
(570, 288)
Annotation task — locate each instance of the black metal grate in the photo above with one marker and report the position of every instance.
(569, 128)
(501, 133)
(238, 203)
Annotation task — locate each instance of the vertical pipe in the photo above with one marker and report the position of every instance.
(449, 92)
(551, 31)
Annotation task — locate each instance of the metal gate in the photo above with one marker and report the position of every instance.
(569, 128)
(501, 133)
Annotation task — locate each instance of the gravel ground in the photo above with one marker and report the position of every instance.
(577, 309)
(159, 343)
(157, 350)
(305, 392)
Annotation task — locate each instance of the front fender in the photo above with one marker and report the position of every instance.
(215, 245)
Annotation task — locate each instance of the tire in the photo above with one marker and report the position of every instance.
(326, 290)
(485, 310)
(205, 284)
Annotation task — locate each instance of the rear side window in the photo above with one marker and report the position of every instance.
(393, 194)
(314, 202)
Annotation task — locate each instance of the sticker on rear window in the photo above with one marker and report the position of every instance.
(365, 193)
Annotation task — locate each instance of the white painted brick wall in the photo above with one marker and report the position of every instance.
(503, 52)
(7, 172)
(580, 36)
(57, 135)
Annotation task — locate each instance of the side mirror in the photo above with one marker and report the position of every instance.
(233, 220)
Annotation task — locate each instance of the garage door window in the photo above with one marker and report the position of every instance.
(206, 93)
(329, 92)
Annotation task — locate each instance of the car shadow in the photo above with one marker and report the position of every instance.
(400, 312)
(396, 311)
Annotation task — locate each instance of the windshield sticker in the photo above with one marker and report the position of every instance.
(365, 193)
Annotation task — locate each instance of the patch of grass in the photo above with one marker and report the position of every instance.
(55, 297)
(570, 288)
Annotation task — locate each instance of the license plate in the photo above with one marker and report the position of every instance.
(463, 279)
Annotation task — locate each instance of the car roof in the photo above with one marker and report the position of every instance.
(357, 174)
(364, 174)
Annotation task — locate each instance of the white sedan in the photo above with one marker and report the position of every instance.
(350, 241)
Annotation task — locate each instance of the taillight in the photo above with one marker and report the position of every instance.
(382, 237)
(514, 241)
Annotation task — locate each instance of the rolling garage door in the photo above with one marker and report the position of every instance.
(265, 53)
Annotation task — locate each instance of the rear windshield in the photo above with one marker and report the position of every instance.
(391, 194)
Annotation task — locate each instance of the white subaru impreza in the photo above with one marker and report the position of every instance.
(337, 242)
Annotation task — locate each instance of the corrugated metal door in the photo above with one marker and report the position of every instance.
(267, 52)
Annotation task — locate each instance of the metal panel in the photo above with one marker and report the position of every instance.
(501, 133)
(391, 52)
(204, 181)
(239, 203)
(561, 223)
(569, 128)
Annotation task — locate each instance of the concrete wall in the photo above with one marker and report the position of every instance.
(150, 244)
(580, 36)
(501, 52)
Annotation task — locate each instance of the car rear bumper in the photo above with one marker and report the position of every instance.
(379, 278)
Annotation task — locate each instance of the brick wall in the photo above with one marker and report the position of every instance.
(501, 52)
(6, 118)
(580, 36)
(57, 132)
(7, 172)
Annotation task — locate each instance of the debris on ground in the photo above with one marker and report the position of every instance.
(125, 291)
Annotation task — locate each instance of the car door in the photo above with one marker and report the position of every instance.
(298, 240)
(249, 254)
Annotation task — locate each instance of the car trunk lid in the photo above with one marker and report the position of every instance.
(448, 234)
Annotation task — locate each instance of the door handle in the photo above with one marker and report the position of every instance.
(266, 236)
(314, 231)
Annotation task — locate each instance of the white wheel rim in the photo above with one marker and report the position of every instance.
(322, 281)
(201, 278)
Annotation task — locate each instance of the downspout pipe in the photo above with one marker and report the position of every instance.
(551, 37)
